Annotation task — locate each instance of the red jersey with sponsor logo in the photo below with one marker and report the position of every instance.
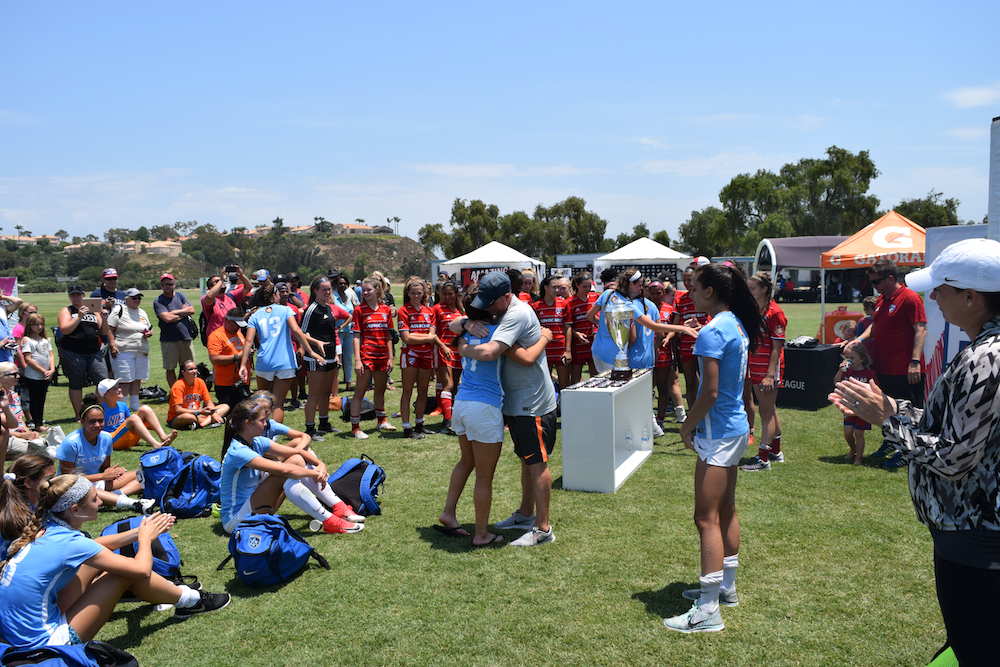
(665, 354)
(773, 324)
(555, 318)
(892, 337)
(527, 297)
(373, 327)
(443, 315)
(684, 309)
(417, 322)
(578, 310)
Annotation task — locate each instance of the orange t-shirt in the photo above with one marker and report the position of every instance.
(184, 396)
(221, 343)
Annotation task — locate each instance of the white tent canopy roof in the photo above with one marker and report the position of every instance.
(642, 251)
(493, 252)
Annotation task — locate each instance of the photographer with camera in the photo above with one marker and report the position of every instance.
(217, 302)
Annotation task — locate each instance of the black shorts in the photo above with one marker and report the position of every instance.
(534, 437)
(312, 366)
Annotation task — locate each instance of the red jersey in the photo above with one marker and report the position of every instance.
(526, 297)
(416, 322)
(772, 328)
(665, 354)
(443, 315)
(578, 310)
(555, 318)
(373, 326)
(892, 337)
(684, 309)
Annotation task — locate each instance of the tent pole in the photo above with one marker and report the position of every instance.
(822, 301)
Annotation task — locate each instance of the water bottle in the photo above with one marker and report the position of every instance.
(645, 439)
(628, 439)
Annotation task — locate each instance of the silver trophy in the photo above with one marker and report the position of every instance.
(618, 316)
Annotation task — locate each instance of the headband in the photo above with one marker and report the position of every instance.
(656, 283)
(73, 495)
(87, 409)
(635, 276)
(9, 475)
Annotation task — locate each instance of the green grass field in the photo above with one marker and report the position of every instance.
(834, 568)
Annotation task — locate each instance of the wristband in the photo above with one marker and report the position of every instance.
(914, 361)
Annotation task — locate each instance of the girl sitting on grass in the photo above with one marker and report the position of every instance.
(256, 471)
(857, 364)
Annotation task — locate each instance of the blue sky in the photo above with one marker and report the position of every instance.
(117, 114)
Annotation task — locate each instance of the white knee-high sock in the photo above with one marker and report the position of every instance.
(303, 498)
(325, 494)
(729, 565)
(710, 583)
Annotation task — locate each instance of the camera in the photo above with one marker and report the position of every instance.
(231, 268)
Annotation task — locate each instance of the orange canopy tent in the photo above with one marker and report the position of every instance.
(891, 237)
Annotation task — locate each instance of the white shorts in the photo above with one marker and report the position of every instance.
(230, 526)
(724, 452)
(131, 366)
(477, 421)
(283, 374)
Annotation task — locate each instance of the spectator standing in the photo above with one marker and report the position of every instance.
(217, 302)
(128, 329)
(8, 344)
(80, 346)
(345, 297)
(898, 332)
(39, 364)
(108, 292)
(176, 341)
(225, 345)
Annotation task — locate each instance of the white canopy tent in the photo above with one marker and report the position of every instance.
(645, 254)
(494, 255)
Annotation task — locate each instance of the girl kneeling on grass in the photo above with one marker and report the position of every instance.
(59, 587)
(372, 353)
(857, 364)
(256, 470)
(717, 429)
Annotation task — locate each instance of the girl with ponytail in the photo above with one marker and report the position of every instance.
(245, 489)
(58, 586)
(716, 428)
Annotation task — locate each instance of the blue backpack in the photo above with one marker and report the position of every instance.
(357, 483)
(157, 468)
(166, 558)
(91, 654)
(266, 550)
(193, 489)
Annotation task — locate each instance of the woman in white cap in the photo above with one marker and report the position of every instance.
(128, 331)
(60, 587)
(953, 446)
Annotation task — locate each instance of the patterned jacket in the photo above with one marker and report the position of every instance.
(953, 445)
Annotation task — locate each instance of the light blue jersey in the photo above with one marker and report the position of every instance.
(642, 353)
(274, 429)
(271, 324)
(85, 457)
(481, 379)
(31, 581)
(239, 480)
(723, 339)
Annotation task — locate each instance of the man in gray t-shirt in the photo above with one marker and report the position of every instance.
(529, 401)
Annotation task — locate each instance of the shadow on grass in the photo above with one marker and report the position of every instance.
(865, 463)
(134, 617)
(667, 601)
(459, 545)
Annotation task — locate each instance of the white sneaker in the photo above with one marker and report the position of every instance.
(535, 537)
(145, 505)
(386, 426)
(515, 520)
(776, 458)
(695, 620)
(657, 430)
(360, 435)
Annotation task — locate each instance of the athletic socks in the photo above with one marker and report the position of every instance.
(710, 584)
(407, 426)
(776, 445)
(324, 423)
(189, 597)
(420, 425)
(729, 565)
(123, 502)
(310, 429)
(380, 416)
(325, 494)
(300, 496)
(446, 404)
(355, 423)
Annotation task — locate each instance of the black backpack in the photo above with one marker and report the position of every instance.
(357, 483)
(203, 329)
